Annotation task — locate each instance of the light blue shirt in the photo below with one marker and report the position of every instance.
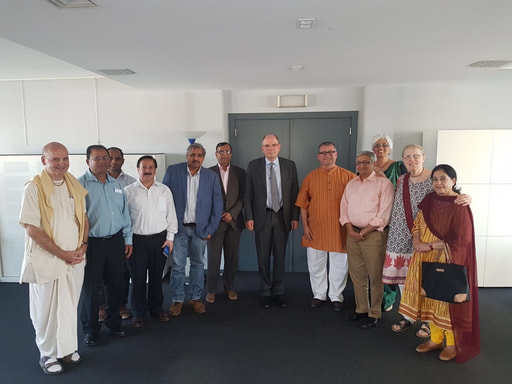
(125, 179)
(106, 207)
(278, 178)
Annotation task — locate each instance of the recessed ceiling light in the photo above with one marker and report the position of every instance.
(296, 68)
(305, 23)
(489, 63)
(73, 3)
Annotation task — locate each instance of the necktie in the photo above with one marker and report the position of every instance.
(274, 191)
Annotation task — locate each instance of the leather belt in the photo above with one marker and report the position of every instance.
(105, 237)
(359, 229)
(149, 236)
(189, 224)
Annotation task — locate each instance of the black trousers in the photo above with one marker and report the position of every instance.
(105, 261)
(147, 260)
(271, 241)
(229, 239)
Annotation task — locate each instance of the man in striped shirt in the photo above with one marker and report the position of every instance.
(319, 201)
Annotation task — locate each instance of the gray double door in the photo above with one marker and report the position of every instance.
(299, 135)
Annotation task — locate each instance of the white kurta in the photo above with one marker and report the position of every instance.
(53, 305)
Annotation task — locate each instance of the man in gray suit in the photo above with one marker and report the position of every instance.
(271, 191)
(227, 236)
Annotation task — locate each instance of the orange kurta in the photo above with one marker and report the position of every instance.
(320, 194)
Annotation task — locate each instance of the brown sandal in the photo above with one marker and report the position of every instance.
(50, 365)
(401, 326)
(424, 331)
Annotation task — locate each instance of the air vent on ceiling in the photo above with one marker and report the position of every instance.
(73, 3)
(489, 63)
(116, 72)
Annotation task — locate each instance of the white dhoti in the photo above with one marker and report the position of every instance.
(53, 312)
(319, 274)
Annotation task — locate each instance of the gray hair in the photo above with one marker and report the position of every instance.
(370, 154)
(413, 146)
(196, 146)
(382, 136)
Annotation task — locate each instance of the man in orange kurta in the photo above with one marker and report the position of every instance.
(319, 200)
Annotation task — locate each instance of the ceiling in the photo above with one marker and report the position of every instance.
(251, 44)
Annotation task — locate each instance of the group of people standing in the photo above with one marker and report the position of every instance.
(94, 232)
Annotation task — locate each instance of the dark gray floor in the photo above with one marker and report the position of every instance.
(240, 342)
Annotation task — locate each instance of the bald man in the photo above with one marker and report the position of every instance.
(56, 231)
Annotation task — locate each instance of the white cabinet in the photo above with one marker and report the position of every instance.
(480, 158)
(15, 171)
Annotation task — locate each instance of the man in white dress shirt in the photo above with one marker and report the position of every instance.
(154, 225)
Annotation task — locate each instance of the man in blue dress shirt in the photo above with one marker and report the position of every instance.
(110, 242)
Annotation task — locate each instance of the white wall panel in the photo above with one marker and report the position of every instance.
(63, 111)
(501, 157)
(481, 258)
(499, 262)
(469, 152)
(479, 206)
(11, 117)
(500, 210)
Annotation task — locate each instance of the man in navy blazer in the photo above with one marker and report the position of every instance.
(198, 202)
(271, 212)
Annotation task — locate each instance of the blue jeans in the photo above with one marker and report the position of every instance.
(187, 243)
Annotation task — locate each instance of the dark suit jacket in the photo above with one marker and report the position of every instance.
(234, 198)
(209, 198)
(256, 192)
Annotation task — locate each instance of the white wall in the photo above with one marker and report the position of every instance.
(87, 111)
(414, 114)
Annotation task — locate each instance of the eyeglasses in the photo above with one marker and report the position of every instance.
(416, 156)
(224, 152)
(99, 158)
(383, 145)
(366, 162)
(323, 153)
(270, 145)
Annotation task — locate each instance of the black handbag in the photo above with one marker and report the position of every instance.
(444, 281)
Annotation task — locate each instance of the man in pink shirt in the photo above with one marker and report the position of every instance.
(365, 211)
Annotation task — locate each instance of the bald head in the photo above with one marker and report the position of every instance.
(55, 160)
(52, 147)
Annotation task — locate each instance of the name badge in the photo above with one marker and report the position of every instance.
(116, 190)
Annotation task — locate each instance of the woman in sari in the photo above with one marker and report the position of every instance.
(455, 328)
(382, 145)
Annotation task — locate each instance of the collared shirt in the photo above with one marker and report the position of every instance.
(224, 176)
(320, 194)
(151, 209)
(125, 180)
(367, 201)
(192, 188)
(268, 165)
(106, 207)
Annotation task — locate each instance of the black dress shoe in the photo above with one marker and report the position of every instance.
(266, 301)
(281, 301)
(355, 316)
(370, 323)
(315, 303)
(90, 339)
(118, 332)
(337, 306)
